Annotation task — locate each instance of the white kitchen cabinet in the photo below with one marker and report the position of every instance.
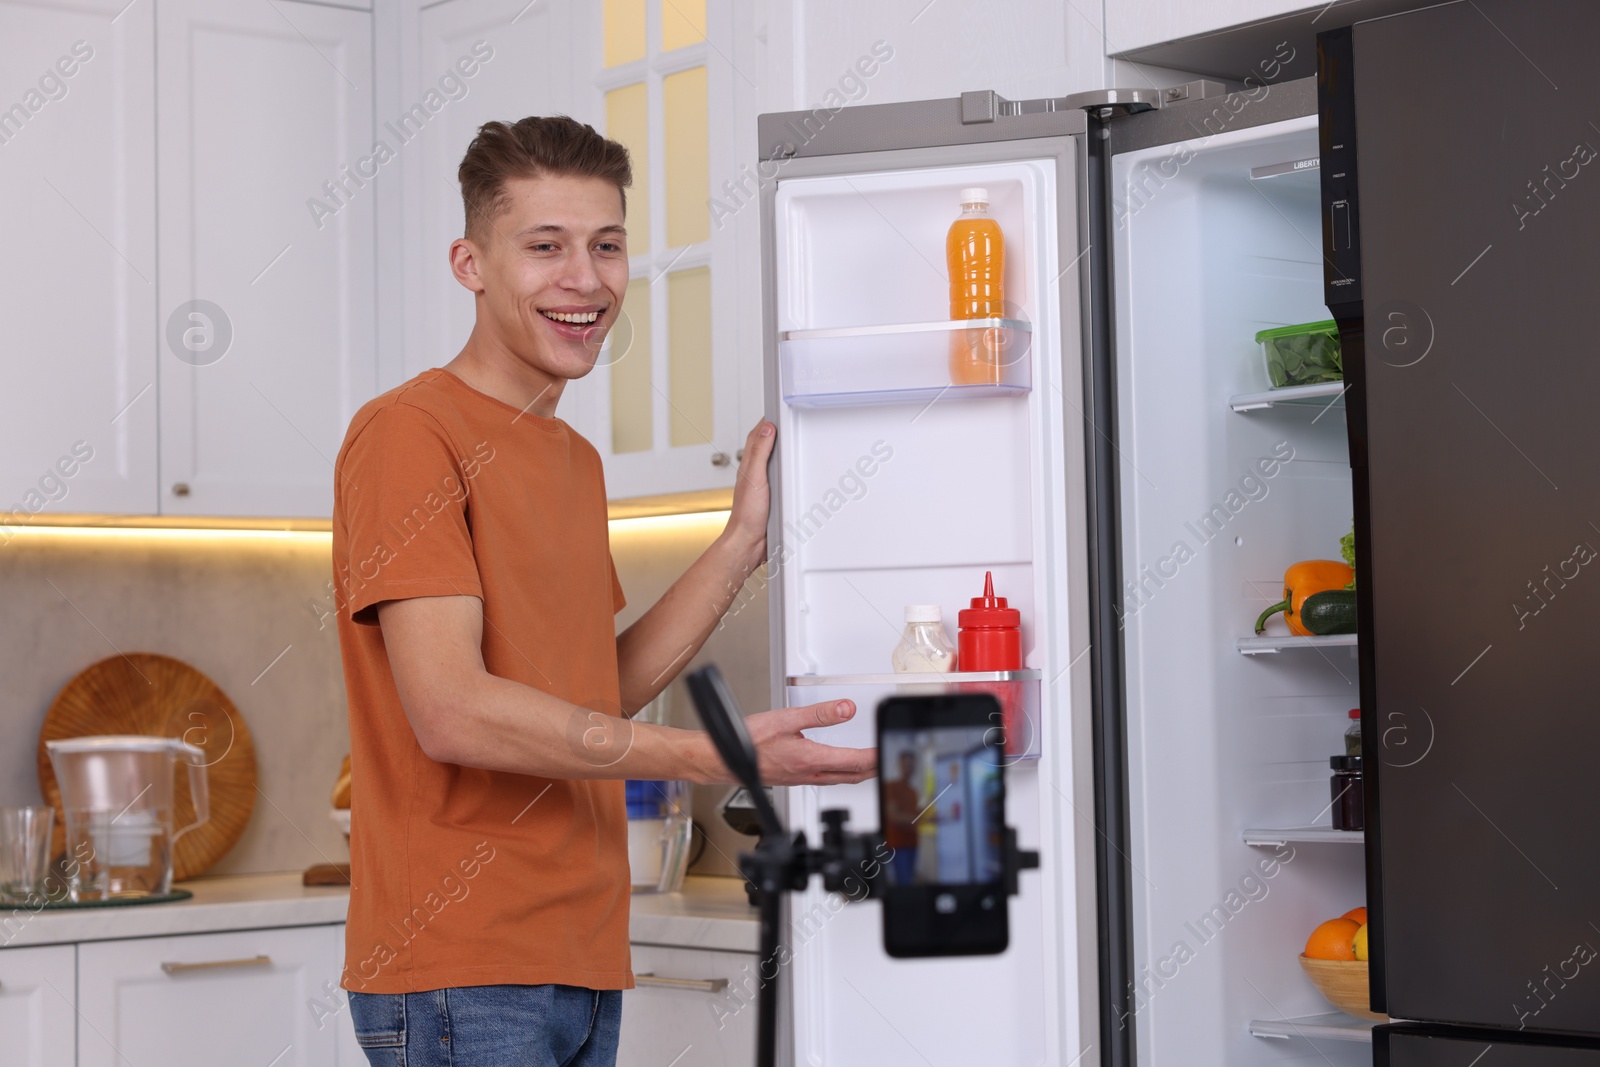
(266, 158)
(247, 997)
(77, 286)
(691, 1008)
(1135, 24)
(36, 1006)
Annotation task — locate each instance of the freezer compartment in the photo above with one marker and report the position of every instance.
(904, 363)
(1016, 691)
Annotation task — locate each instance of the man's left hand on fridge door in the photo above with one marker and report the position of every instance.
(752, 497)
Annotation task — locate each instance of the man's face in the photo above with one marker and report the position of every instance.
(552, 270)
(908, 766)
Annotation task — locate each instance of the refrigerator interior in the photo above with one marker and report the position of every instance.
(1215, 504)
(891, 497)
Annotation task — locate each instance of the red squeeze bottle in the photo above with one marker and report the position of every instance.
(991, 633)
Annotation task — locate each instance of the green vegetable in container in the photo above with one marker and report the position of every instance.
(1302, 355)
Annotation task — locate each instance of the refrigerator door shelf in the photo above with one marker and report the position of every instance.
(1017, 691)
(899, 364)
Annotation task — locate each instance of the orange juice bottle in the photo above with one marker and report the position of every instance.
(975, 252)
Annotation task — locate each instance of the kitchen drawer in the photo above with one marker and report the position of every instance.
(692, 1008)
(36, 991)
(250, 997)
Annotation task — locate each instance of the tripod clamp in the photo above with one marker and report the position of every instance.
(783, 863)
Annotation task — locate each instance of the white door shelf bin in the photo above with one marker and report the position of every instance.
(899, 364)
(1017, 692)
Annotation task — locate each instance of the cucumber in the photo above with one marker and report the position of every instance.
(1332, 611)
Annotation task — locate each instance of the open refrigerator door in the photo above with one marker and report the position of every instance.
(894, 486)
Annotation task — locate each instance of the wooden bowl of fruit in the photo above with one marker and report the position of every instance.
(1335, 960)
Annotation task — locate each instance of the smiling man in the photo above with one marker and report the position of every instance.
(488, 689)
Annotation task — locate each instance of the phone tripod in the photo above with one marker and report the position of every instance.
(783, 862)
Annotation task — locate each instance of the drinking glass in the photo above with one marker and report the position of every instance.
(24, 851)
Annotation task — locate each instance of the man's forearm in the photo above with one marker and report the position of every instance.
(652, 651)
(500, 725)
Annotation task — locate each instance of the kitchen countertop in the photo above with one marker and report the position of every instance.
(710, 913)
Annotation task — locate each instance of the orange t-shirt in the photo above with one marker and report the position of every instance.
(466, 877)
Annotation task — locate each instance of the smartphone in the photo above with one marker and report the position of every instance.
(942, 802)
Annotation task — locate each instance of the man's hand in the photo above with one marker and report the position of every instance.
(786, 758)
(752, 496)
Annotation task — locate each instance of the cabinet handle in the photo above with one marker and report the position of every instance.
(719, 459)
(180, 488)
(698, 985)
(213, 965)
(739, 455)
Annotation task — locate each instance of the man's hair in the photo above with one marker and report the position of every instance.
(530, 148)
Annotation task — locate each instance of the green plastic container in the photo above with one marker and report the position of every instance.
(1307, 354)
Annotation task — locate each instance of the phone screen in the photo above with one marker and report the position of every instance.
(941, 791)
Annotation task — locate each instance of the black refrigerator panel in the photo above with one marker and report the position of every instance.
(1479, 402)
(1420, 1046)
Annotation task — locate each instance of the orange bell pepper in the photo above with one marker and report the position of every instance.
(1302, 580)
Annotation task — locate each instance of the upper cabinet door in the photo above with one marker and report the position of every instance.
(77, 284)
(266, 291)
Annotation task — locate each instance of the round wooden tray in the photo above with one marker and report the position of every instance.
(158, 696)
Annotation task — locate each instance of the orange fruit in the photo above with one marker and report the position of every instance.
(1358, 914)
(1333, 940)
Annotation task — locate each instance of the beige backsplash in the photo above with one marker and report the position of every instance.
(251, 612)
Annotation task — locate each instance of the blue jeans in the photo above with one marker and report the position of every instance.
(489, 1026)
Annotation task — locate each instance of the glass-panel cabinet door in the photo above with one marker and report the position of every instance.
(664, 391)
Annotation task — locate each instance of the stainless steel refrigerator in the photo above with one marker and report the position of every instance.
(1138, 485)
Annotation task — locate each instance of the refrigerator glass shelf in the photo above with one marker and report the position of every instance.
(1322, 395)
(1334, 1026)
(1257, 646)
(1017, 691)
(1273, 836)
(904, 363)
